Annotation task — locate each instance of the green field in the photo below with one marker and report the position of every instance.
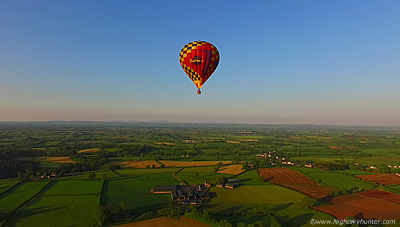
(244, 197)
(72, 188)
(342, 179)
(15, 197)
(250, 178)
(84, 176)
(201, 169)
(5, 184)
(56, 211)
(135, 192)
(200, 177)
(133, 172)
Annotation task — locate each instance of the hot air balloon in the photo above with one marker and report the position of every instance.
(199, 59)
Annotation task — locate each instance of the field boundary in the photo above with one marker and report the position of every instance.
(179, 179)
(100, 193)
(26, 201)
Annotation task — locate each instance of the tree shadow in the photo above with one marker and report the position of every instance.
(29, 212)
(299, 220)
(281, 207)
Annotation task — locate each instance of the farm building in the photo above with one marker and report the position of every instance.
(193, 194)
(230, 185)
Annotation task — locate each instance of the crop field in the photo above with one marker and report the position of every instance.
(166, 222)
(360, 206)
(314, 191)
(284, 175)
(245, 196)
(12, 199)
(384, 195)
(5, 184)
(231, 169)
(92, 150)
(135, 192)
(386, 179)
(168, 163)
(77, 187)
(54, 210)
(139, 164)
(56, 159)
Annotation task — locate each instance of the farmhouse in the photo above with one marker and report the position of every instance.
(228, 185)
(193, 194)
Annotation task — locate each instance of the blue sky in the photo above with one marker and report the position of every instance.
(297, 62)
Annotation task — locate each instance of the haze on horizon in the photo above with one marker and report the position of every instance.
(282, 62)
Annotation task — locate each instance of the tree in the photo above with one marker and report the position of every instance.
(219, 164)
(224, 223)
(101, 215)
(308, 202)
(92, 175)
(122, 209)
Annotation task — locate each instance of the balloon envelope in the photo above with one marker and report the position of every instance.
(199, 59)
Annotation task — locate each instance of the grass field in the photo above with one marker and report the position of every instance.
(343, 179)
(132, 172)
(247, 196)
(168, 163)
(340, 181)
(202, 169)
(251, 177)
(5, 184)
(138, 164)
(200, 178)
(12, 199)
(85, 176)
(56, 211)
(375, 160)
(135, 192)
(72, 188)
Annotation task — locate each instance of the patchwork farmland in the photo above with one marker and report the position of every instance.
(120, 177)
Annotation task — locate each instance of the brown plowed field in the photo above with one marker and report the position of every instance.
(384, 178)
(384, 195)
(362, 207)
(314, 191)
(284, 175)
